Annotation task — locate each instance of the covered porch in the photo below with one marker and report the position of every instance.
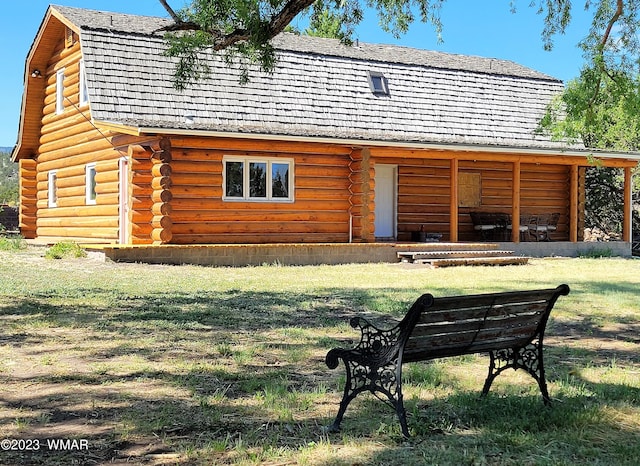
(468, 196)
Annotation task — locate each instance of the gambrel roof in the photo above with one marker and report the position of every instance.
(319, 90)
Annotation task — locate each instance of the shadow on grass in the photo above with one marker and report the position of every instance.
(466, 428)
(217, 404)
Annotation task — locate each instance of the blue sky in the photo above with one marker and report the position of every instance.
(471, 27)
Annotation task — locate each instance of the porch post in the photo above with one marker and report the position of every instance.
(515, 200)
(453, 208)
(573, 205)
(627, 217)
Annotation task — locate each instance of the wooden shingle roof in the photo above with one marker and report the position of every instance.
(319, 89)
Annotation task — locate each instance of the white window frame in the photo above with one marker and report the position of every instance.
(60, 91)
(52, 188)
(246, 161)
(90, 176)
(378, 83)
(84, 91)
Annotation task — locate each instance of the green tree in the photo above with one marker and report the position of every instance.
(326, 22)
(8, 180)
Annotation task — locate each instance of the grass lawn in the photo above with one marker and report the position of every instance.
(162, 365)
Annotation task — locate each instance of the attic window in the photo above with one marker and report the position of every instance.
(377, 83)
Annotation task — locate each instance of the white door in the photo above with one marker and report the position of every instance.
(124, 201)
(385, 201)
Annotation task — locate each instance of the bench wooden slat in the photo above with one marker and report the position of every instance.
(430, 317)
(454, 350)
(530, 320)
(468, 342)
(511, 297)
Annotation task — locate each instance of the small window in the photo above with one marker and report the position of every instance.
(60, 91)
(257, 179)
(378, 83)
(52, 189)
(84, 93)
(90, 187)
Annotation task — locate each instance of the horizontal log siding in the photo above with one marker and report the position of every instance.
(424, 193)
(319, 212)
(68, 142)
(546, 189)
(496, 195)
(423, 196)
(28, 198)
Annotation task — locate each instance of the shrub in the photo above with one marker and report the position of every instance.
(12, 243)
(65, 249)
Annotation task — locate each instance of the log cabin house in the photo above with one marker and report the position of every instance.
(341, 144)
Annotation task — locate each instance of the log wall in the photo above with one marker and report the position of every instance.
(28, 198)
(68, 142)
(319, 212)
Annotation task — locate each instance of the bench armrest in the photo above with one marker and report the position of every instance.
(374, 343)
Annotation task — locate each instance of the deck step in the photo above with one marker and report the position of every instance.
(412, 256)
(458, 261)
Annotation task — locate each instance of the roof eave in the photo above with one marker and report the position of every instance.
(458, 147)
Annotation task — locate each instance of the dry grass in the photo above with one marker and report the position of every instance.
(192, 365)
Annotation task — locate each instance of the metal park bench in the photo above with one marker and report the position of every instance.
(509, 326)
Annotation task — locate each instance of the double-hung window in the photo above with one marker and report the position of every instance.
(60, 91)
(52, 188)
(90, 184)
(84, 92)
(257, 179)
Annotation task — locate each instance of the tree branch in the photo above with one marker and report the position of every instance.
(603, 42)
(289, 11)
(172, 13)
(223, 40)
(612, 21)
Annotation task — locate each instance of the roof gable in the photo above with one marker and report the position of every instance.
(50, 32)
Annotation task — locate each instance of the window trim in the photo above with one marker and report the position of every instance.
(83, 98)
(59, 91)
(246, 161)
(90, 195)
(52, 188)
(384, 89)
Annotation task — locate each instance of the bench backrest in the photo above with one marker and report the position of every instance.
(456, 325)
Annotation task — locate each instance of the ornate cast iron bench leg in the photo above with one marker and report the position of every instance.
(528, 358)
(375, 379)
(371, 366)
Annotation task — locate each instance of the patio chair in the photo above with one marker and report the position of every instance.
(523, 228)
(542, 225)
(490, 225)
